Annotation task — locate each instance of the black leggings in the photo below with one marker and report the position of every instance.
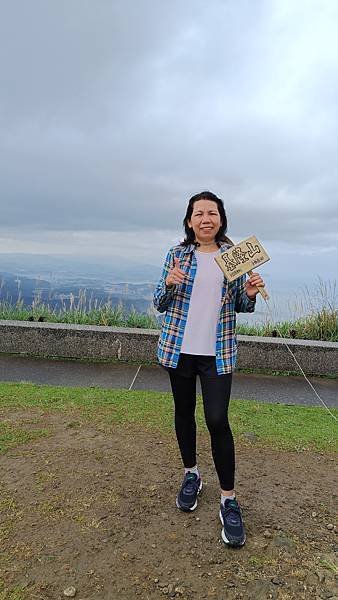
(216, 395)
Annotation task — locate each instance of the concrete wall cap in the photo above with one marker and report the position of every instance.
(155, 332)
(76, 327)
(290, 341)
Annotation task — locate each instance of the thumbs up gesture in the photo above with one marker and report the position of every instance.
(175, 275)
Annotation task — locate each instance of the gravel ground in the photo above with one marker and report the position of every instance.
(90, 511)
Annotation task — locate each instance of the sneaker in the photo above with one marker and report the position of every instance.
(187, 496)
(233, 532)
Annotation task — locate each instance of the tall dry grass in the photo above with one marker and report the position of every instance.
(318, 307)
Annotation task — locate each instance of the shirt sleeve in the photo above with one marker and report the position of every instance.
(243, 302)
(163, 295)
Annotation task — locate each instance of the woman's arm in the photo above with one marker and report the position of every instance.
(243, 303)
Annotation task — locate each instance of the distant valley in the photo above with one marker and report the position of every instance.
(61, 281)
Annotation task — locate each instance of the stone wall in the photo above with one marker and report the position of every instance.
(139, 345)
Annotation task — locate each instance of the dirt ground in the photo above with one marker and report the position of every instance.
(93, 507)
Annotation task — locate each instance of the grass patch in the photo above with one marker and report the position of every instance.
(16, 593)
(317, 320)
(280, 426)
(12, 436)
(80, 312)
(330, 565)
(321, 325)
(284, 426)
(275, 373)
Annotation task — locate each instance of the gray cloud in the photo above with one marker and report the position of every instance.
(113, 114)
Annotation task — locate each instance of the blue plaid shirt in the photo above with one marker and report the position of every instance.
(175, 303)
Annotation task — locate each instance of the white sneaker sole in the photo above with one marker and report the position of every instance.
(224, 537)
(194, 506)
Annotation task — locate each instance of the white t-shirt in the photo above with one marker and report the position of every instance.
(204, 307)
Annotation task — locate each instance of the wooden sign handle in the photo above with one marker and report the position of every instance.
(261, 289)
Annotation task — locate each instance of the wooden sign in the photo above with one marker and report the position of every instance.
(242, 258)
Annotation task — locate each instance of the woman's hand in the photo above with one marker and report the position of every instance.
(251, 285)
(175, 275)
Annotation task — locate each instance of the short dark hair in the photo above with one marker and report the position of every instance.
(189, 232)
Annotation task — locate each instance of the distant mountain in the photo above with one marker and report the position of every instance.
(78, 293)
(61, 280)
(58, 278)
(13, 287)
(63, 267)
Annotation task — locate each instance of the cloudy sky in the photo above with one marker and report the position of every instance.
(113, 113)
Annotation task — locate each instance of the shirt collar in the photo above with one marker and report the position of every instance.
(191, 248)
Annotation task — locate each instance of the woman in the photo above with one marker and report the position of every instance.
(198, 338)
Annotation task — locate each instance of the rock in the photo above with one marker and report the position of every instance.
(320, 575)
(311, 579)
(267, 534)
(277, 581)
(70, 592)
(260, 589)
(314, 514)
(281, 541)
(165, 590)
(179, 590)
(251, 436)
(330, 526)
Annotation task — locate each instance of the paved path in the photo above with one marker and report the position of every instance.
(264, 388)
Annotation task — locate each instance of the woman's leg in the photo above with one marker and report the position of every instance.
(216, 395)
(184, 393)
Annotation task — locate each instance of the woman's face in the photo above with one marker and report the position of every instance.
(205, 220)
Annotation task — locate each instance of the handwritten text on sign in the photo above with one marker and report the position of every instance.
(242, 258)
